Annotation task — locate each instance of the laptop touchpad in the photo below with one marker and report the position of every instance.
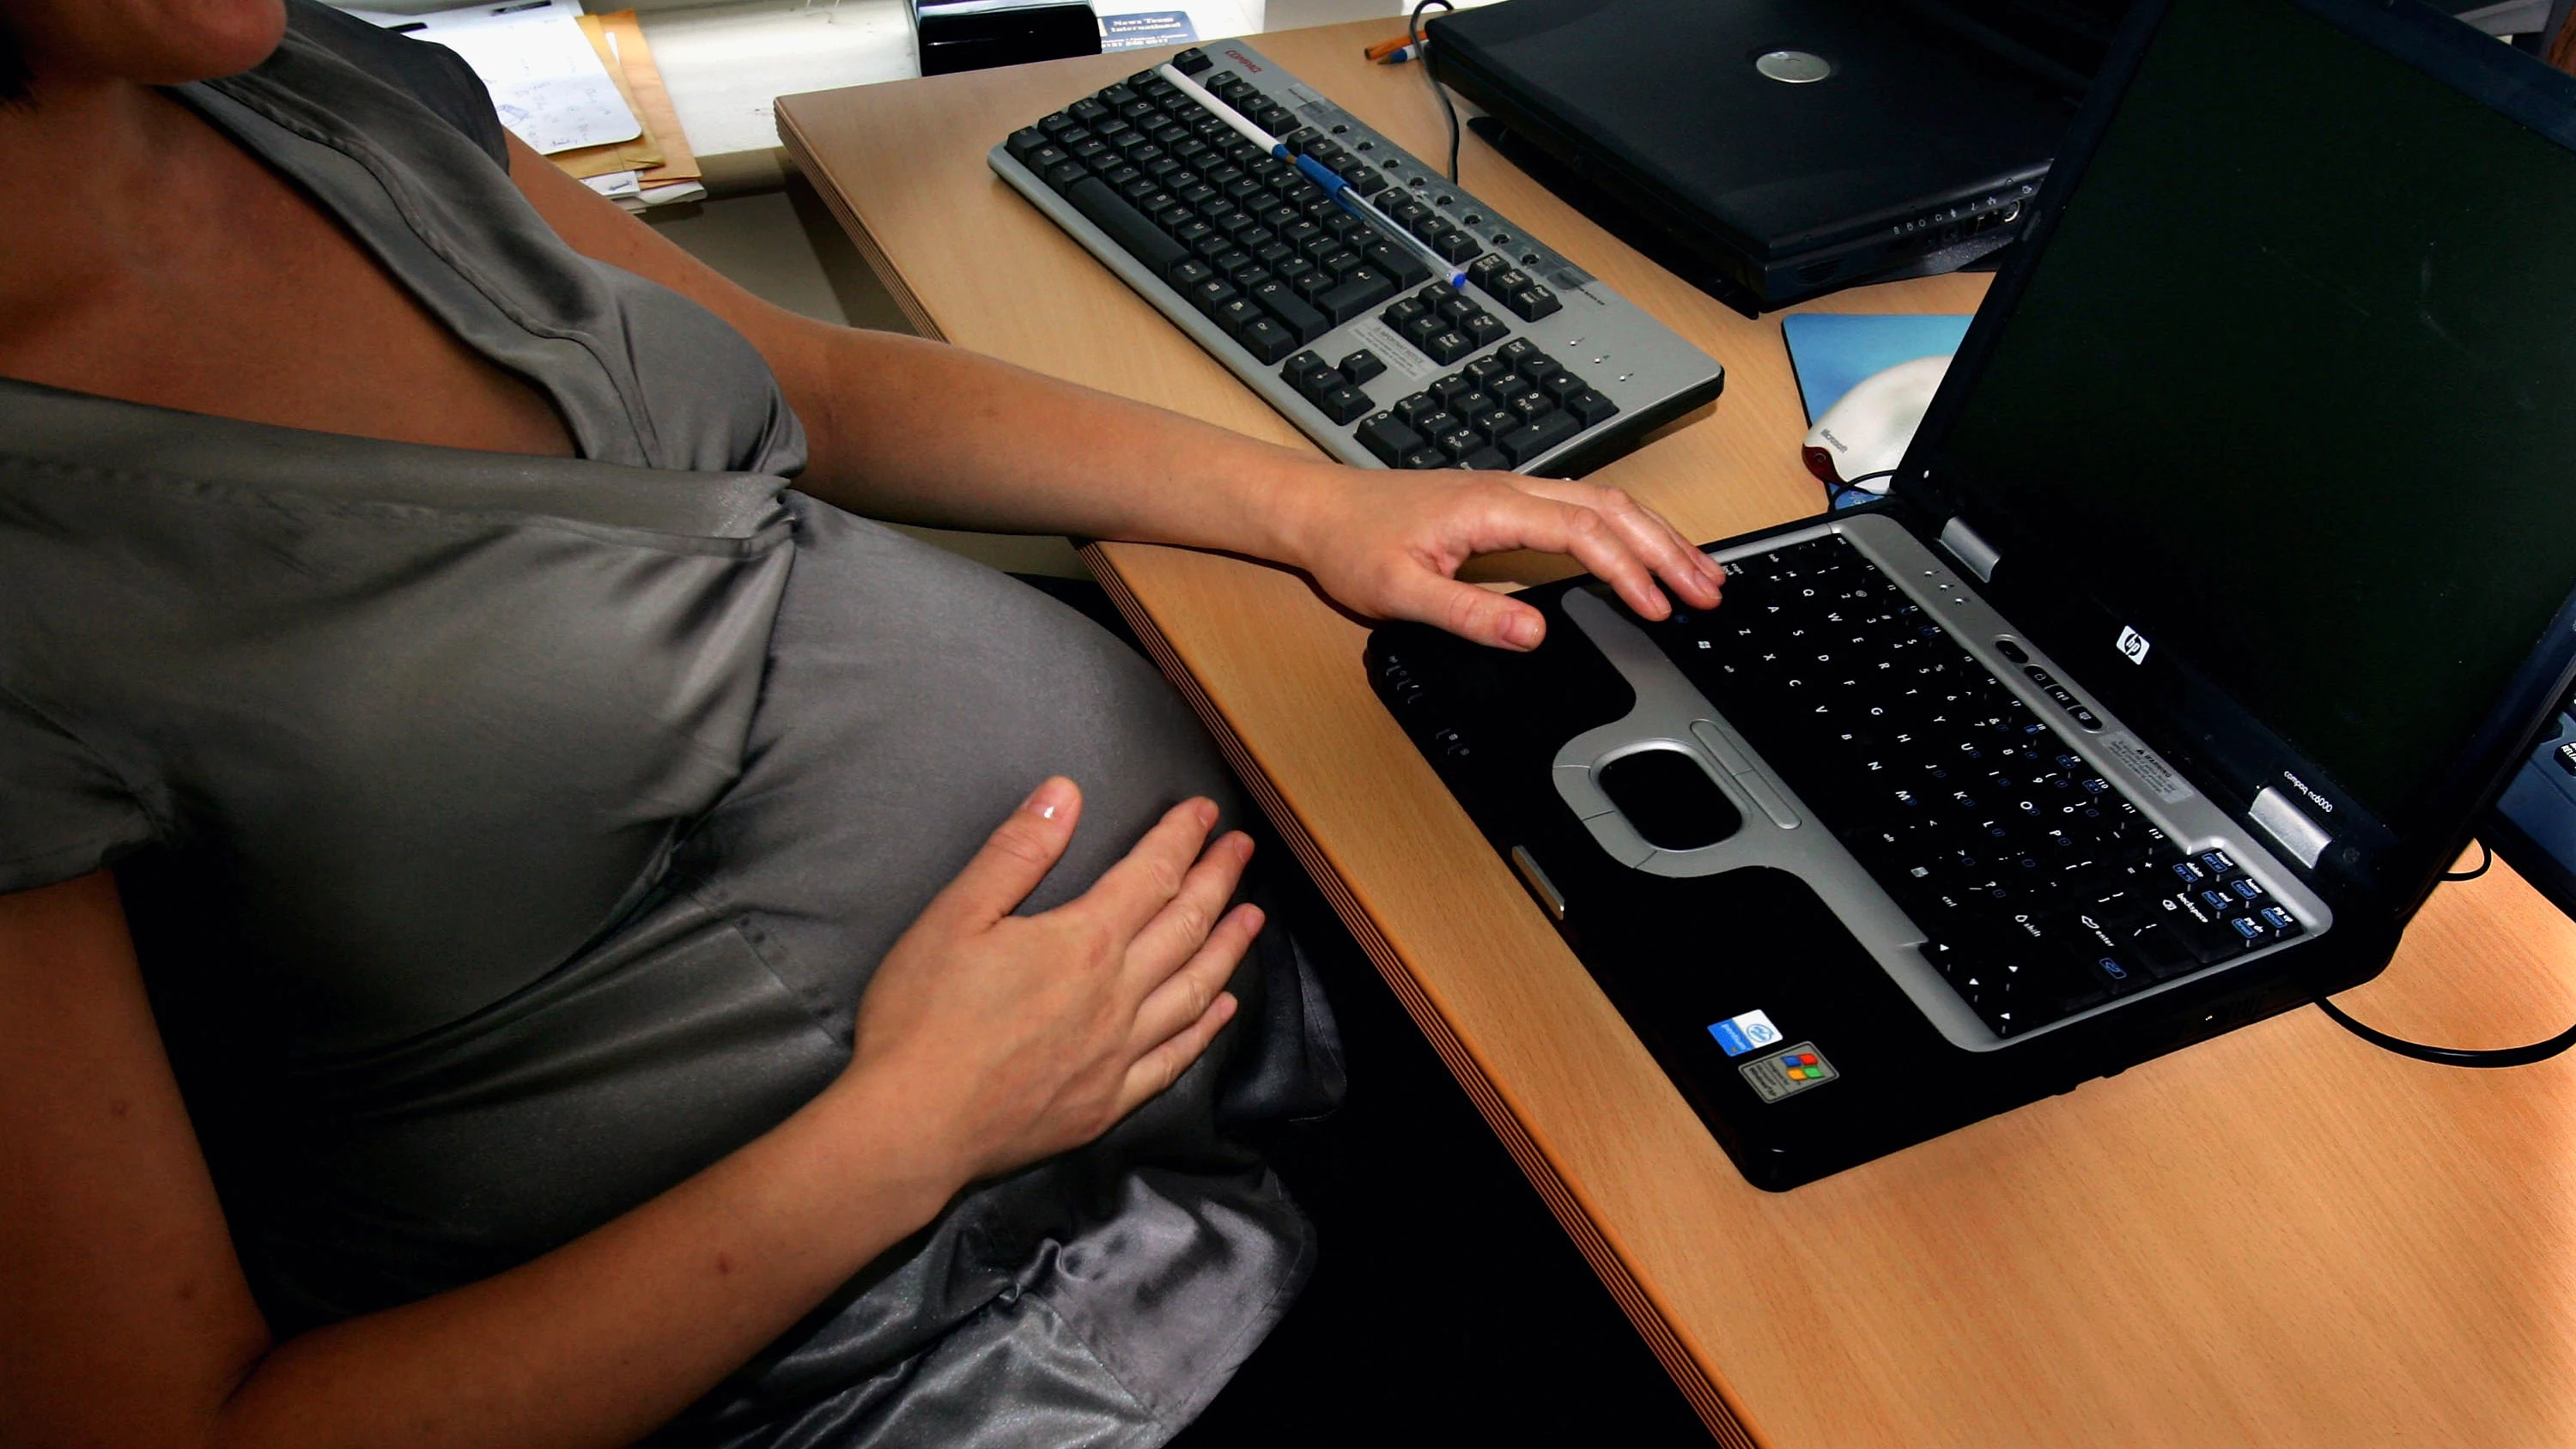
(1668, 799)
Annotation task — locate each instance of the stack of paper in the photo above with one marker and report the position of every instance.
(581, 89)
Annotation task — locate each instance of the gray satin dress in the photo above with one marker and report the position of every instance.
(507, 839)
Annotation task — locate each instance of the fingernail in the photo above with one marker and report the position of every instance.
(1206, 813)
(1523, 628)
(1046, 799)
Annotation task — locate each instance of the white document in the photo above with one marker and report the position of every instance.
(545, 80)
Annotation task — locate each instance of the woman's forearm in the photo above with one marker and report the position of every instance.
(946, 437)
(604, 1339)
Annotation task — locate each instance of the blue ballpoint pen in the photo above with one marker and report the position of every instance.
(1313, 170)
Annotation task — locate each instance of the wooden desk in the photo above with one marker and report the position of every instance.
(2280, 1237)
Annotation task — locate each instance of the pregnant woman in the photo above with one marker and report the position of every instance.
(518, 926)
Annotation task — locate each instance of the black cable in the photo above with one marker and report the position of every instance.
(1422, 54)
(2486, 861)
(2521, 1056)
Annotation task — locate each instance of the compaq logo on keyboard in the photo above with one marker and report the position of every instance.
(1238, 58)
(2133, 644)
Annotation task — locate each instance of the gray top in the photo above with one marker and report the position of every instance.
(505, 839)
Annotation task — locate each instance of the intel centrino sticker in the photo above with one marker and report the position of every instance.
(1740, 1034)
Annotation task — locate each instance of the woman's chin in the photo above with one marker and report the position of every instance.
(152, 42)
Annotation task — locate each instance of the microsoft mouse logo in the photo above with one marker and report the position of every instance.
(2133, 644)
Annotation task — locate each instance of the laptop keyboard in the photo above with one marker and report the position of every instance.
(1401, 322)
(2043, 891)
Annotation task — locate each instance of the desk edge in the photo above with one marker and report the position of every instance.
(1715, 1404)
(801, 154)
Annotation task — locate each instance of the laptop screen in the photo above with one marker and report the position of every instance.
(2292, 389)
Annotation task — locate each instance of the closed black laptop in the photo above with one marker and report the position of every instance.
(1792, 146)
(2218, 595)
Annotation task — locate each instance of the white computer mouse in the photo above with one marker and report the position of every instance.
(1862, 437)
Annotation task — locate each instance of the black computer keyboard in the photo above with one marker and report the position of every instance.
(2043, 890)
(1396, 319)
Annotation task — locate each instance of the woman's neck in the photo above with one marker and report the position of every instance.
(102, 197)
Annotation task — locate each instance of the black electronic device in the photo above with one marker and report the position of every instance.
(1776, 149)
(2132, 715)
(955, 35)
(2534, 823)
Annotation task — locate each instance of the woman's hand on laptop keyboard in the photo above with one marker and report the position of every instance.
(1389, 545)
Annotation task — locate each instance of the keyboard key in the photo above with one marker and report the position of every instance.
(1591, 407)
(1533, 302)
(1026, 140)
(1487, 460)
(1455, 245)
(1267, 340)
(1458, 443)
(1447, 346)
(1281, 301)
(1128, 227)
(1419, 409)
(1424, 459)
(1560, 385)
(1361, 366)
(1397, 262)
(1388, 439)
(1364, 181)
(1311, 379)
(1211, 294)
(1235, 314)
(1344, 404)
(1359, 290)
(1527, 442)
(1314, 283)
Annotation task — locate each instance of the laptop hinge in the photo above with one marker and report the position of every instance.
(1967, 548)
(2288, 824)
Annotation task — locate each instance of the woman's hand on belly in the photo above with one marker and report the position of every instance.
(985, 1041)
(1003, 1039)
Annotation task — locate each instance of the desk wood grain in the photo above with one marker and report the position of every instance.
(2280, 1237)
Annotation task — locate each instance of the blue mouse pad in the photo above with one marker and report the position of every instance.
(1833, 350)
